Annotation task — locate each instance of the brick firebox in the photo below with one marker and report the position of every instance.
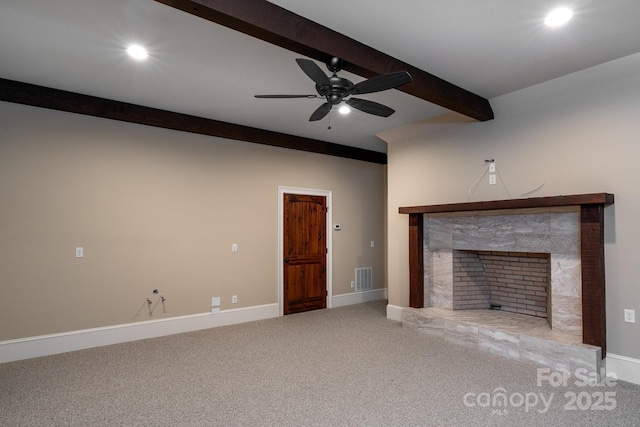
(517, 282)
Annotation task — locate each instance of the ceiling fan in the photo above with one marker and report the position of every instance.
(337, 89)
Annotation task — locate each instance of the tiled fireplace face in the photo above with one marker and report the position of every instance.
(553, 231)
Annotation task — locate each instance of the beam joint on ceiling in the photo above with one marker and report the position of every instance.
(55, 99)
(273, 24)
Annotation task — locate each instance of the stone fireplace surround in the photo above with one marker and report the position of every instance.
(553, 230)
(569, 228)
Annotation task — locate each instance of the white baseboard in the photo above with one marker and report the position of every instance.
(394, 312)
(358, 297)
(44, 345)
(625, 368)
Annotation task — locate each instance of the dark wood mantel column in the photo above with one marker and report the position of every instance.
(416, 261)
(591, 248)
(593, 276)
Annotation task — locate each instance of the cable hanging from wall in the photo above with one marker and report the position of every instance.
(492, 169)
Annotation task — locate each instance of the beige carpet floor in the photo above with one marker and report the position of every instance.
(347, 366)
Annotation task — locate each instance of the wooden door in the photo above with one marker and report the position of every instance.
(305, 253)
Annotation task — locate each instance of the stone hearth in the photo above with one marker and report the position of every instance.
(516, 336)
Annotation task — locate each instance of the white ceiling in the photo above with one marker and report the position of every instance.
(197, 67)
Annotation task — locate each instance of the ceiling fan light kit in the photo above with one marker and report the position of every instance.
(336, 90)
(138, 52)
(558, 17)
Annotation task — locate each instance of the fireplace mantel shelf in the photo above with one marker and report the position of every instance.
(591, 229)
(534, 202)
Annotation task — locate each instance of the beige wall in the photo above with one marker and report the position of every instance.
(576, 134)
(156, 209)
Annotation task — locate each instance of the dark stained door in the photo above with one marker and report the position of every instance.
(305, 253)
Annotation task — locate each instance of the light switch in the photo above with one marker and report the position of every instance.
(234, 247)
(215, 301)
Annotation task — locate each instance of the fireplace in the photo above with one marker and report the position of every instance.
(565, 232)
(552, 233)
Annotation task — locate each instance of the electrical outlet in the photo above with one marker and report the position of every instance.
(629, 315)
(492, 179)
(234, 247)
(79, 252)
(234, 299)
(353, 284)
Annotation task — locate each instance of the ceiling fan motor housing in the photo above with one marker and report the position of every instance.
(339, 88)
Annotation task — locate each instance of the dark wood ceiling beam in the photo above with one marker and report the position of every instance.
(44, 97)
(273, 24)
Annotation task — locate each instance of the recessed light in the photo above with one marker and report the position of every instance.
(137, 52)
(558, 17)
(344, 110)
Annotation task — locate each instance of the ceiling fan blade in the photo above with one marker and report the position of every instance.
(314, 72)
(370, 107)
(286, 96)
(322, 111)
(384, 82)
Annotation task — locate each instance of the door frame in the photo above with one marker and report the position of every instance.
(282, 190)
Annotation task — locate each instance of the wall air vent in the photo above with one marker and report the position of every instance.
(364, 279)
